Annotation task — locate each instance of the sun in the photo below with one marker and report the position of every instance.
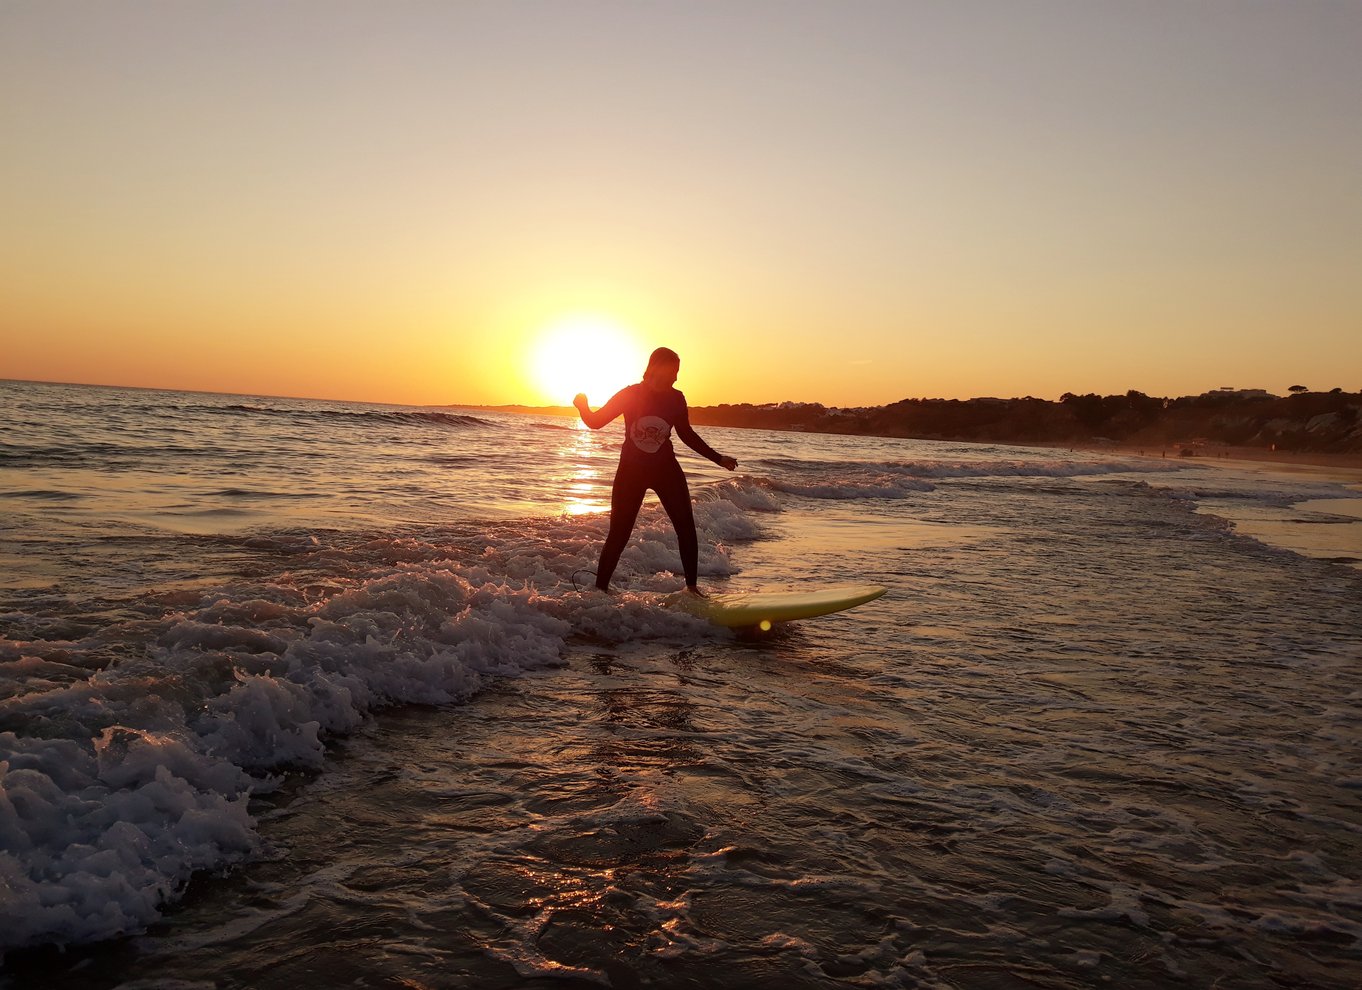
(586, 353)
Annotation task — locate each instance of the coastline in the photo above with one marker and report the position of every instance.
(1211, 453)
(1348, 465)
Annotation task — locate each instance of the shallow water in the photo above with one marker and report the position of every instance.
(1093, 735)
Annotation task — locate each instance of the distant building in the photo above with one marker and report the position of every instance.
(1228, 392)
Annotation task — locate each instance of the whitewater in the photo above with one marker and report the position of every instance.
(297, 692)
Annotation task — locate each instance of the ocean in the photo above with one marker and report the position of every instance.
(303, 693)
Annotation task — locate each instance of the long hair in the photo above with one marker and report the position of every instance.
(661, 356)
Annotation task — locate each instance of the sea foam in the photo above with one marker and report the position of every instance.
(117, 786)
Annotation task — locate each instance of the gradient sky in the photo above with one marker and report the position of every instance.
(843, 202)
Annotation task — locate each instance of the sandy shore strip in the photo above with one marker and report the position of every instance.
(1347, 467)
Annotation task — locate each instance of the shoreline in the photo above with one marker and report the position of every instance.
(1226, 455)
(1208, 453)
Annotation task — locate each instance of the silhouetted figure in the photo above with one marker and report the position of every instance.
(651, 409)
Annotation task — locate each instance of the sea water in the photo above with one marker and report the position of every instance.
(300, 693)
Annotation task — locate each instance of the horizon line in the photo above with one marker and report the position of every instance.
(554, 406)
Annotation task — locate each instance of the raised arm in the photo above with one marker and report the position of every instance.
(605, 414)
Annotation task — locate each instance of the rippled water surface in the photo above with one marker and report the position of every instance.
(303, 694)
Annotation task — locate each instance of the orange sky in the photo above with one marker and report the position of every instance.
(849, 204)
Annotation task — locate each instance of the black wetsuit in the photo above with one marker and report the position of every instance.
(647, 460)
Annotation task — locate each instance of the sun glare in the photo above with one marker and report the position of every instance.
(591, 354)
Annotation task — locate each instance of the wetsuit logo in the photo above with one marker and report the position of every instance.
(650, 433)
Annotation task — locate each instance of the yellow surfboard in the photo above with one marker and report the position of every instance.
(743, 609)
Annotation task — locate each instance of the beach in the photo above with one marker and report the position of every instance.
(321, 664)
(1345, 467)
(299, 692)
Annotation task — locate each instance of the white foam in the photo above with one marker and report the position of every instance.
(128, 781)
(903, 479)
(866, 485)
(96, 842)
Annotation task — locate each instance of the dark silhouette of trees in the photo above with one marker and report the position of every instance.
(1321, 421)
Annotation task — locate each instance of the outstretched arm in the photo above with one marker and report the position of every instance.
(692, 440)
(605, 414)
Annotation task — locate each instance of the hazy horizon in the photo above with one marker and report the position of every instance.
(569, 408)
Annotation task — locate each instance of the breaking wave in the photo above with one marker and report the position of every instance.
(129, 750)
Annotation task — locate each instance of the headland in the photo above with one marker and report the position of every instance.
(1323, 428)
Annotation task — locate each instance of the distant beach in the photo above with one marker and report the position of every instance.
(1346, 466)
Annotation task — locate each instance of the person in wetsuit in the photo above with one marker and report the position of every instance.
(652, 409)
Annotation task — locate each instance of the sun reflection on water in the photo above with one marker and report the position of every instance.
(586, 491)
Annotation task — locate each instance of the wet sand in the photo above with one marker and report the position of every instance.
(1347, 467)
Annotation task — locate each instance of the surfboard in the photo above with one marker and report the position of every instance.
(745, 609)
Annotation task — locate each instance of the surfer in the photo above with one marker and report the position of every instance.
(652, 408)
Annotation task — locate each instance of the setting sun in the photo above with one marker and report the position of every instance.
(586, 353)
